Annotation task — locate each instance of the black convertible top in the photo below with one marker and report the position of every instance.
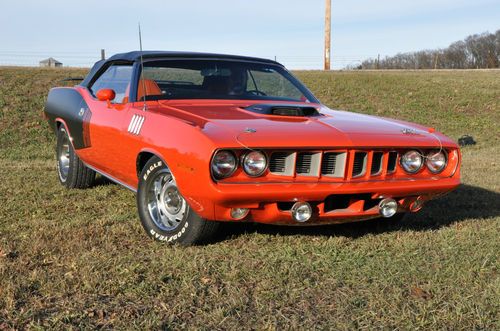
(136, 55)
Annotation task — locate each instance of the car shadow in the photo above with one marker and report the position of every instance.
(466, 202)
(101, 180)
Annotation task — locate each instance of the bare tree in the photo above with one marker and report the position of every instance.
(474, 52)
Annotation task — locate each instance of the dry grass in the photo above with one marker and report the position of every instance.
(79, 259)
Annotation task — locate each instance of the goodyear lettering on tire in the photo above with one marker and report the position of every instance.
(169, 238)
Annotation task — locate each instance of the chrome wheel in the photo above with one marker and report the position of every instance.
(166, 205)
(63, 157)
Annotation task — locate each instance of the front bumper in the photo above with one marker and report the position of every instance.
(332, 202)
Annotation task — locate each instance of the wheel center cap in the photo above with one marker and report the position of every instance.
(171, 199)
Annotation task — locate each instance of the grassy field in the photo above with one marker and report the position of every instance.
(79, 259)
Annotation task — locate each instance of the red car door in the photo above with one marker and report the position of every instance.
(108, 121)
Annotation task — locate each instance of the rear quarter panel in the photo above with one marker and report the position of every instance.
(67, 105)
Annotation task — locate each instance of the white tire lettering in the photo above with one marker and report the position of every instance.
(151, 168)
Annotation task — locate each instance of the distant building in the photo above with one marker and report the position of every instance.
(50, 62)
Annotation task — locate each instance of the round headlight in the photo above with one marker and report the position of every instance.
(254, 163)
(223, 164)
(412, 161)
(436, 161)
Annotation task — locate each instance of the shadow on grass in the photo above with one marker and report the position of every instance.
(467, 202)
(103, 181)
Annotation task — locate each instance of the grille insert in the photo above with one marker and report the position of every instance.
(304, 162)
(391, 163)
(359, 166)
(376, 163)
(333, 164)
(278, 162)
(329, 163)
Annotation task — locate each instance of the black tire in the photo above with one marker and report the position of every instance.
(71, 171)
(164, 213)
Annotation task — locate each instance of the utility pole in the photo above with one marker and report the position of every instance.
(328, 28)
(103, 54)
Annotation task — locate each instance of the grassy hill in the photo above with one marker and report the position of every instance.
(80, 258)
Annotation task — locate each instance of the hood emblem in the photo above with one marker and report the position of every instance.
(409, 131)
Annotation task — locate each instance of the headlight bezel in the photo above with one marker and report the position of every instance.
(428, 160)
(422, 161)
(244, 159)
(213, 170)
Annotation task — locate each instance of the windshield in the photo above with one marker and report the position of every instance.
(219, 79)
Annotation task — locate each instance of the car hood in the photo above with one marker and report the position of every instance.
(229, 124)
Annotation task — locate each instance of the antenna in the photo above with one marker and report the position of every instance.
(145, 106)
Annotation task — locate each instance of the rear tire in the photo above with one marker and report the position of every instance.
(71, 170)
(164, 213)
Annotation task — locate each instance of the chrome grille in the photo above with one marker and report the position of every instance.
(278, 162)
(377, 159)
(333, 164)
(359, 166)
(282, 163)
(303, 163)
(391, 163)
(308, 164)
(329, 162)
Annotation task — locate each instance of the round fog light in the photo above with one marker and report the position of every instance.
(301, 211)
(388, 207)
(239, 213)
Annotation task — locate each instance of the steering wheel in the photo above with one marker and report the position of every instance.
(256, 92)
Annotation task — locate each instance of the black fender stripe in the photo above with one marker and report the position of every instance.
(68, 104)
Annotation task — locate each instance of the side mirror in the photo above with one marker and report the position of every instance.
(106, 94)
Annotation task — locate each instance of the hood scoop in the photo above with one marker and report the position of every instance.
(284, 110)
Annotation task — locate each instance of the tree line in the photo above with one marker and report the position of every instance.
(477, 51)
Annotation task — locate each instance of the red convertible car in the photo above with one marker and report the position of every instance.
(204, 138)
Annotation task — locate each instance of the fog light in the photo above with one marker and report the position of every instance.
(239, 213)
(301, 211)
(388, 207)
(417, 204)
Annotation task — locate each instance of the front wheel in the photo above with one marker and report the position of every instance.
(164, 213)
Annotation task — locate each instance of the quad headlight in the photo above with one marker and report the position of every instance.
(223, 164)
(436, 161)
(412, 161)
(254, 163)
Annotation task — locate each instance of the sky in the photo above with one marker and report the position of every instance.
(74, 32)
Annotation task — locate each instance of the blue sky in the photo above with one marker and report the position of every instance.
(292, 30)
